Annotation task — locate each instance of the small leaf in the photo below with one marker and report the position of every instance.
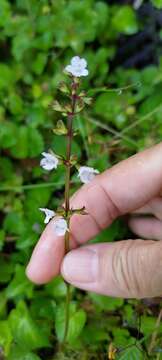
(133, 353)
(64, 88)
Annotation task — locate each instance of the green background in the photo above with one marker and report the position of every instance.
(37, 40)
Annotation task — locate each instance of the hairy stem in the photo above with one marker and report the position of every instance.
(67, 199)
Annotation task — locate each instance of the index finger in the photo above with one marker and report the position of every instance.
(119, 190)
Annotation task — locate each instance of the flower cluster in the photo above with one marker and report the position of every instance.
(77, 68)
(50, 162)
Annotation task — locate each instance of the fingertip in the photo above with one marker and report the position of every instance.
(34, 277)
(40, 270)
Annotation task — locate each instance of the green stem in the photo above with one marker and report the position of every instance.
(67, 202)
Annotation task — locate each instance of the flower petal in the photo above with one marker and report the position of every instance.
(49, 214)
(83, 63)
(60, 226)
(75, 60)
(49, 161)
(85, 72)
(69, 68)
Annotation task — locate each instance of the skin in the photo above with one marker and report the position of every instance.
(128, 268)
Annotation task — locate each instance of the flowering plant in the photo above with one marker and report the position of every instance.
(50, 161)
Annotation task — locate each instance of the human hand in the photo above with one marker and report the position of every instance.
(128, 268)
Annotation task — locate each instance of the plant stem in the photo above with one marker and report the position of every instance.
(67, 199)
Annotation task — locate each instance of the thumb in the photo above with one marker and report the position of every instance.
(128, 269)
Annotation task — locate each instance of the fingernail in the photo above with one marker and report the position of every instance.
(80, 266)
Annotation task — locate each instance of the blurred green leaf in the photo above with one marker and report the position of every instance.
(8, 133)
(60, 146)
(2, 238)
(17, 353)
(76, 323)
(25, 331)
(6, 337)
(7, 76)
(20, 149)
(93, 334)
(5, 13)
(21, 44)
(14, 223)
(148, 325)
(56, 288)
(106, 303)
(20, 285)
(133, 352)
(157, 3)
(39, 63)
(29, 143)
(15, 104)
(122, 338)
(7, 269)
(43, 307)
(36, 142)
(125, 20)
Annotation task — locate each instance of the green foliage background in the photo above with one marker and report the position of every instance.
(37, 39)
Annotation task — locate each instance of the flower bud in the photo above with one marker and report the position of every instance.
(130, 110)
(87, 100)
(68, 108)
(82, 93)
(57, 107)
(64, 88)
(73, 160)
(79, 106)
(60, 128)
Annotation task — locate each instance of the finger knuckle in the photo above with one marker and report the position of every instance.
(129, 269)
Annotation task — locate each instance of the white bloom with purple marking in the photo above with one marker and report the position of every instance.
(87, 174)
(60, 226)
(49, 214)
(49, 161)
(77, 67)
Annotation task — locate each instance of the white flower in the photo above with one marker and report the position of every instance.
(48, 213)
(77, 67)
(60, 226)
(49, 161)
(87, 174)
